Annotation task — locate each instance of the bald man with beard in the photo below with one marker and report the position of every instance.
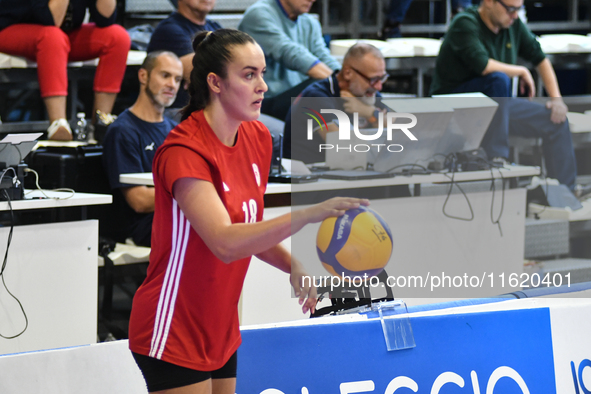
(359, 83)
(131, 142)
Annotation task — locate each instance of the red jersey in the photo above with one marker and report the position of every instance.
(186, 311)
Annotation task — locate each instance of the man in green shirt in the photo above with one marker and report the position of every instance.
(479, 54)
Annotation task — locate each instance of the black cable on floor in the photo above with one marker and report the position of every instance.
(4, 262)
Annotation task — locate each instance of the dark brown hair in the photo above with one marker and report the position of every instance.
(213, 52)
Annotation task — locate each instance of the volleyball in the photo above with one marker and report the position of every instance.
(355, 244)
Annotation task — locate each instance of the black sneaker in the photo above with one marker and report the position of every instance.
(582, 192)
(390, 30)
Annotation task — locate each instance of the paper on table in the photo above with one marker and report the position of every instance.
(68, 144)
(21, 137)
(579, 123)
(295, 167)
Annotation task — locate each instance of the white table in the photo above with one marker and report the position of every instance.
(580, 127)
(37, 200)
(515, 171)
(52, 270)
(425, 240)
(139, 178)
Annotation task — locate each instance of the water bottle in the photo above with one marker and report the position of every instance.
(81, 126)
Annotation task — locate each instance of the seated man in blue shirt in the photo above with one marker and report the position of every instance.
(359, 82)
(131, 142)
(295, 51)
(176, 32)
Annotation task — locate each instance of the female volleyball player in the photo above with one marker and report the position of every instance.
(210, 176)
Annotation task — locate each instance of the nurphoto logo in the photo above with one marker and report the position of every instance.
(376, 135)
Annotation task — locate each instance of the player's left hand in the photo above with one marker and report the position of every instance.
(353, 104)
(558, 110)
(308, 297)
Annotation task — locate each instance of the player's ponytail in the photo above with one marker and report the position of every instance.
(213, 52)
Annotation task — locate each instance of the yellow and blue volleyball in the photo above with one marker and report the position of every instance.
(357, 243)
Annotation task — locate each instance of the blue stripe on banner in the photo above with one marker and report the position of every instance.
(335, 245)
(501, 350)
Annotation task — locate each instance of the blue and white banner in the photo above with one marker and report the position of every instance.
(478, 353)
(537, 346)
(571, 340)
